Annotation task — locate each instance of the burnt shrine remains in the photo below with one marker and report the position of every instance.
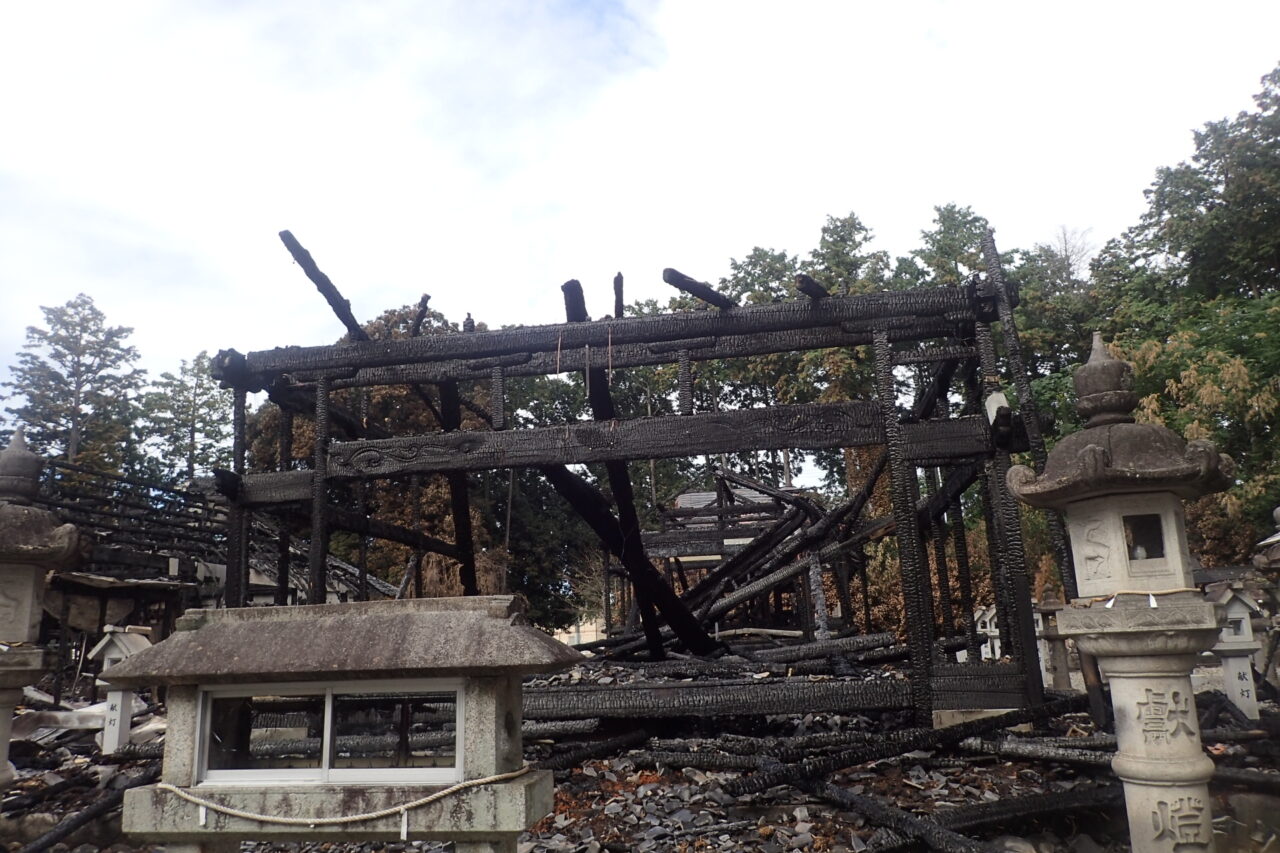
(943, 442)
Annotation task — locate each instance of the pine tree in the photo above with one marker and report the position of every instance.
(188, 420)
(77, 387)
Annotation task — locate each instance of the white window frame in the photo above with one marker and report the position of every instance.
(324, 775)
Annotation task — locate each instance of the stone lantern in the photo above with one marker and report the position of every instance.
(1120, 486)
(31, 544)
(1236, 647)
(369, 721)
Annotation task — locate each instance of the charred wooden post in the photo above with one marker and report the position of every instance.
(697, 289)
(938, 538)
(318, 555)
(362, 510)
(420, 316)
(915, 587)
(1004, 511)
(685, 383)
(964, 577)
(459, 501)
(498, 397)
(283, 557)
(810, 287)
(236, 592)
(1006, 301)
(618, 306)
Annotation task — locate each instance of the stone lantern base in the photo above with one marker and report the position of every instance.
(1147, 653)
(483, 819)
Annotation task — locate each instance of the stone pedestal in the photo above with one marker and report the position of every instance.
(1148, 653)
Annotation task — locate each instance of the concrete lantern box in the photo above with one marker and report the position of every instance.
(383, 720)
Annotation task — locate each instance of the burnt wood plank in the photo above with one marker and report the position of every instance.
(859, 312)
(807, 427)
(709, 699)
(275, 487)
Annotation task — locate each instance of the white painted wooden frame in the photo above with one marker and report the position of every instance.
(324, 774)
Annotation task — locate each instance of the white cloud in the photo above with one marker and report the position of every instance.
(485, 152)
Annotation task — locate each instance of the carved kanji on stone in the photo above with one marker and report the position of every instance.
(1165, 714)
(1180, 821)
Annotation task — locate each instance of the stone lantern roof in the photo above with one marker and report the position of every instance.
(1112, 454)
(413, 638)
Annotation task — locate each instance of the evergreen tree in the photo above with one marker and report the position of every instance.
(77, 388)
(188, 421)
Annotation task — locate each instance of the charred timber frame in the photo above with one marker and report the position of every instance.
(949, 328)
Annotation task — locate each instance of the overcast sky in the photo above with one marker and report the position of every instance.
(484, 152)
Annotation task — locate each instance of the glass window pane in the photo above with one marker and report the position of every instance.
(1144, 537)
(263, 732)
(394, 729)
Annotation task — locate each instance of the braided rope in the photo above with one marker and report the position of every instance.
(341, 819)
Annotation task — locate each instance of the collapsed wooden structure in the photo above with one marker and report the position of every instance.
(959, 342)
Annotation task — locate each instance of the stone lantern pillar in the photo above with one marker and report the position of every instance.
(1120, 486)
(31, 543)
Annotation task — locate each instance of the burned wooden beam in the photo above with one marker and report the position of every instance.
(301, 399)
(711, 512)
(810, 287)
(860, 312)
(896, 743)
(341, 307)
(808, 426)
(1002, 811)
(699, 349)
(880, 813)
(420, 316)
(356, 523)
(711, 699)
(1008, 747)
(825, 648)
(697, 289)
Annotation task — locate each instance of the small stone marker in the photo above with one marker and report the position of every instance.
(115, 646)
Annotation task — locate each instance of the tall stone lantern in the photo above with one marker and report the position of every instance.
(1120, 486)
(31, 543)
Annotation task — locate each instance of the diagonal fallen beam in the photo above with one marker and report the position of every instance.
(896, 743)
(879, 812)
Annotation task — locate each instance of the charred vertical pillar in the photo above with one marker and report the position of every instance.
(1005, 303)
(235, 593)
(459, 500)
(938, 537)
(904, 488)
(964, 578)
(362, 506)
(319, 553)
(1008, 553)
(282, 535)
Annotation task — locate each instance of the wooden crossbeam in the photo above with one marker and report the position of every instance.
(807, 427)
(903, 310)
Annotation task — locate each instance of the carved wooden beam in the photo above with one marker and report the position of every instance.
(807, 427)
